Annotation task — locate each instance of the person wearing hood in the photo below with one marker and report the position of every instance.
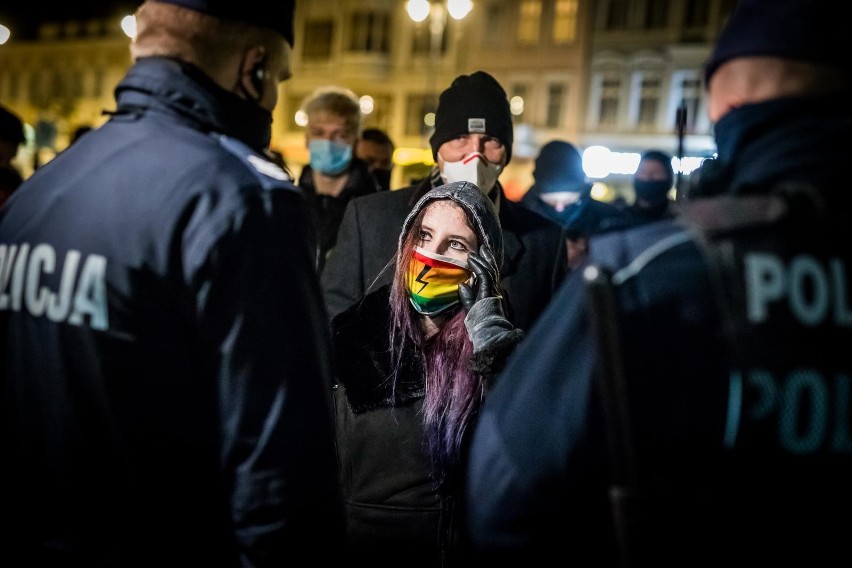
(334, 175)
(652, 184)
(165, 368)
(472, 141)
(413, 361)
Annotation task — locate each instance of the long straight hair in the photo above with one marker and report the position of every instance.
(453, 392)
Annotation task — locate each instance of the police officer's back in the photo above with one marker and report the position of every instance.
(164, 357)
(734, 332)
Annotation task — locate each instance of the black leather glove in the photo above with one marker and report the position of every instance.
(487, 283)
(486, 322)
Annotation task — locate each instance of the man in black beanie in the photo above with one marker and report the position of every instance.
(472, 142)
(165, 348)
(694, 408)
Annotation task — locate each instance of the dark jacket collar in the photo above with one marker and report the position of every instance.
(174, 87)
(766, 143)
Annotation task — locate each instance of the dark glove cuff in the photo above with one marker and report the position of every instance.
(486, 324)
(491, 360)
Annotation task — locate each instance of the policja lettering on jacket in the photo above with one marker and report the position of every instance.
(81, 292)
(810, 287)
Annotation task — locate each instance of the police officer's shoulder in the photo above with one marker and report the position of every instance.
(269, 174)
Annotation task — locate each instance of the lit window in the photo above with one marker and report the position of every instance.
(529, 21)
(564, 21)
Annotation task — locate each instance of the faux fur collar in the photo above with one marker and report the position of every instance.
(363, 360)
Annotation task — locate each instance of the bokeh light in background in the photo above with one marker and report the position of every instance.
(458, 9)
(128, 26)
(418, 10)
(516, 105)
(600, 162)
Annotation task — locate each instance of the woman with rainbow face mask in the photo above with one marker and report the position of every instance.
(412, 363)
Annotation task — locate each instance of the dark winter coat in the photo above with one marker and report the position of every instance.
(735, 356)
(395, 514)
(327, 211)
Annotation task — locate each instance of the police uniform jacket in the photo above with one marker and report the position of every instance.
(534, 257)
(734, 329)
(165, 353)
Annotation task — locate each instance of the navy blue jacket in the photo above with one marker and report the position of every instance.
(165, 351)
(738, 371)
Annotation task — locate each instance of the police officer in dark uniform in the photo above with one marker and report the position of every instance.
(165, 357)
(728, 442)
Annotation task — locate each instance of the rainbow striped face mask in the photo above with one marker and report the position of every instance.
(433, 281)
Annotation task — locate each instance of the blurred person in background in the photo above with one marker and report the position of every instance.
(562, 192)
(652, 185)
(334, 175)
(376, 148)
(11, 137)
(166, 370)
(472, 141)
(10, 180)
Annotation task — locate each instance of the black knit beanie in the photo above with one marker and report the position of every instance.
(664, 159)
(473, 103)
(559, 167)
(805, 30)
(274, 15)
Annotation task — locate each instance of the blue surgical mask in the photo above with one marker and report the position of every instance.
(329, 157)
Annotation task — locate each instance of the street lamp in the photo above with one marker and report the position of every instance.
(419, 10)
(436, 11)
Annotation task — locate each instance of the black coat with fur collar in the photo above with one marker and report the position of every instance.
(394, 514)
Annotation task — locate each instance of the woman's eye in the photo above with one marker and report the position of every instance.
(458, 246)
(424, 236)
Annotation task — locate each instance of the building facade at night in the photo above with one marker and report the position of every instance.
(608, 75)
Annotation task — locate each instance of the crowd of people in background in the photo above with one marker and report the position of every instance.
(208, 361)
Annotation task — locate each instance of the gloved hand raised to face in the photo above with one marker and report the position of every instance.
(486, 322)
(487, 282)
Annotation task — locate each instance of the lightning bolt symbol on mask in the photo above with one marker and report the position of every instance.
(420, 276)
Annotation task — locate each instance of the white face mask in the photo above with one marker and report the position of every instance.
(475, 169)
